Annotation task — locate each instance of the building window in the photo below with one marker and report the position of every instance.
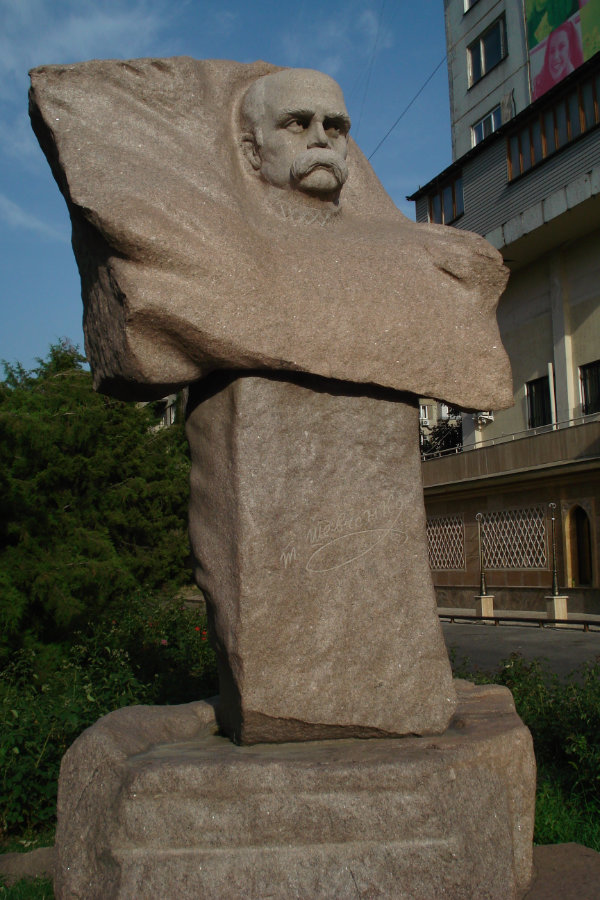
(486, 126)
(589, 380)
(487, 51)
(539, 409)
(514, 539)
(423, 414)
(579, 546)
(554, 127)
(447, 204)
(446, 539)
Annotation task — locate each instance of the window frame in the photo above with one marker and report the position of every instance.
(489, 115)
(593, 369)
(556, 126)
(436, 200)
(533, 402)
(500, 23)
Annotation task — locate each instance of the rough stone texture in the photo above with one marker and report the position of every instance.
(35, 864)
(565, 871)
(308, 528)
(569, 871)
(147, 812)
(190, 264)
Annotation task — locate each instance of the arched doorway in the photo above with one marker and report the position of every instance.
(579, 546)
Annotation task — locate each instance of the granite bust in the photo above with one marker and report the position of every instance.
(231, 236)
(186, 268)
(296, 133)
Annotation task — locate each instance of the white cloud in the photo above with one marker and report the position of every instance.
(342, 39)
(16, 217)
(38, 32)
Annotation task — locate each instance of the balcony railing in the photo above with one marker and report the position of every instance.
(516, 436)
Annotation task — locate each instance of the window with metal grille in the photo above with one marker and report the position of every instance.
(514, 539)
(446, 539)
(589, 380)
(539, 410)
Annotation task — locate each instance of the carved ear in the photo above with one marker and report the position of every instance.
(250, 149)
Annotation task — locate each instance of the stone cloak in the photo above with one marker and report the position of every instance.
(186, 269)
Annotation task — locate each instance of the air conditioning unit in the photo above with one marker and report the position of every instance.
(484, 417)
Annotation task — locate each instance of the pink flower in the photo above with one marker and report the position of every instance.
(164, 642)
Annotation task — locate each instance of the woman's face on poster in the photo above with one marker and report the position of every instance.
(559, 62)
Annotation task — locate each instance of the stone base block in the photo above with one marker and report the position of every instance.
(484, 605)
(556, 607)
(153, 803)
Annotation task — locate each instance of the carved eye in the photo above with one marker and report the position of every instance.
(296, 125)
(335, 128)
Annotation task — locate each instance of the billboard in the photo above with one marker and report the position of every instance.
(561, 35)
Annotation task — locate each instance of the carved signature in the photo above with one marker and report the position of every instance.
(340, 549)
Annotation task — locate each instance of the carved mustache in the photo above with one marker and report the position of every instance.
(316, 158)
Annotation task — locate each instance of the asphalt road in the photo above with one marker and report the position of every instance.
(485, 646)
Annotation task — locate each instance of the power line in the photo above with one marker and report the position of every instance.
(407, 107)
(370, 66)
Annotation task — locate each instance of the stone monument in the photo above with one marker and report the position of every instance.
(231, 236)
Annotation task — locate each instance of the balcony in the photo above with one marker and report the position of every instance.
(574, 445)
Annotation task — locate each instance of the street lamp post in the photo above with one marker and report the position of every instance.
(555, 591)
(482, 585)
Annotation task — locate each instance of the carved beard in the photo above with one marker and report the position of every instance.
(307, 162)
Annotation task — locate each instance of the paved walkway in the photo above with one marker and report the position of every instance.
(485, 645)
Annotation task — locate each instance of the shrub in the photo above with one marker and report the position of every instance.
(153, 651)
(564, 720)
(41, 716)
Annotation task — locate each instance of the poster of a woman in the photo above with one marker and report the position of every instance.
(556, 57)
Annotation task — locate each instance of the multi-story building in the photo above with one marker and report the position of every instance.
(525, 109)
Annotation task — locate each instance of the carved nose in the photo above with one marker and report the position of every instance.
(317, 136)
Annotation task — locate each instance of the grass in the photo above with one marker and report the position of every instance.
(564, 719)
(28, 889)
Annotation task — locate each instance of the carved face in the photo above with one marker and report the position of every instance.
(299, 132)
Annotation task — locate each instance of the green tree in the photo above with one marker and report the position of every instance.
(94, 501)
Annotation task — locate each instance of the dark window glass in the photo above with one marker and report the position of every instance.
(486, 51)
(590, 387)
(525, 150)
(478, 134)
(436, 209)
(475, 57)
(588, 104)
(448, 203)
(549, 131)
(458, 197)
(561, 123)
(538, 402)
(574, 115)
(492, 46)
(536, 139)
(515, 161)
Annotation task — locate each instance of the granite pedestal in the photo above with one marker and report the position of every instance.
(153, 803)
(307, 525)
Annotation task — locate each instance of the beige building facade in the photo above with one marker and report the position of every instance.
(531, 186)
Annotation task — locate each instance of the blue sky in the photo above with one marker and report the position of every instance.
(381, 53)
